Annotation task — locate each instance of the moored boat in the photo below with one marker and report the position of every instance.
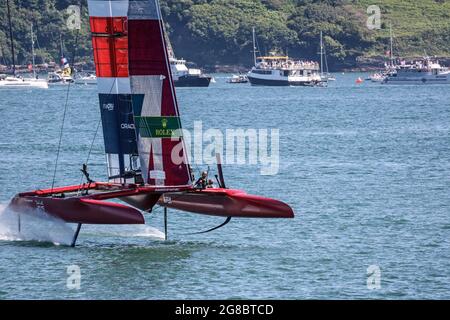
(90, 79)
(425, 71)
(188, 77)
(377, 77)
(282, 71)
(18, 82)
(59, 77)
(181, 74)
(276, 70)
(10, 82)
(238, 79)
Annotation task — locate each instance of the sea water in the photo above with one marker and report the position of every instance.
(366, 169)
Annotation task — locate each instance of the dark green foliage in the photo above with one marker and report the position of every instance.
(48, 18)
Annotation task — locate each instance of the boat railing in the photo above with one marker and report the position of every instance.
(297, 65)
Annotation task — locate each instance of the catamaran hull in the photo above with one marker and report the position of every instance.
(78, 210)
(226, 203)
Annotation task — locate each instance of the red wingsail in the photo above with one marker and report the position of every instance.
(140, 117)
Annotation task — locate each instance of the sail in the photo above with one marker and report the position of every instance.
(138, 105)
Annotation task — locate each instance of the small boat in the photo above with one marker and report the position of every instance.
(238, 79)
(19, 82)
(377, 77)
(140, 118)
(188, 77)
(182, 75)
(59, 78)
(64, 74)
(86, 80)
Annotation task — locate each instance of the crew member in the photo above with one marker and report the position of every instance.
(202, 182)
(210, 184)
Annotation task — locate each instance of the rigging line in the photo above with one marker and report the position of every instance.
(89, 154)
(60, 137)
(93, 141)
(65, 109)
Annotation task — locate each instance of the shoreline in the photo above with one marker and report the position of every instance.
(365, 64)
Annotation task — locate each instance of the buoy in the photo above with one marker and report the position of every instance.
(359, 80)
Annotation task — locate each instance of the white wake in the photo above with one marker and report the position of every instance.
(137, 231)
(33, 227)
(38, 226)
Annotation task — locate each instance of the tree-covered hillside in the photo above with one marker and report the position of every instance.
(215, 32)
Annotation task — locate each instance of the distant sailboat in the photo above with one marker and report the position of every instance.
(14, 82)
(327, 76)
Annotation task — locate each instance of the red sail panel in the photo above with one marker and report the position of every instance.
(133, 69)
(177, 174)
(110, 45)
(158, 116)
(148, 56)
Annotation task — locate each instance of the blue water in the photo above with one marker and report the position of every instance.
(365, 167)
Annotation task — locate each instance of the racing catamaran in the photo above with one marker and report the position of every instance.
(141, 122)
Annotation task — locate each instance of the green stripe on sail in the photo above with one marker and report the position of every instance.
(158, 127)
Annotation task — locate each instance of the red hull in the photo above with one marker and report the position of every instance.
(226, 203)
(73, 205)
(79, 210)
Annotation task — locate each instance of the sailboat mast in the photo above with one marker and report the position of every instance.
(61, 49)
(392, 45)
(32, 52)
(11, 39)
(321, 53)
(170, 51)
(254, 46)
